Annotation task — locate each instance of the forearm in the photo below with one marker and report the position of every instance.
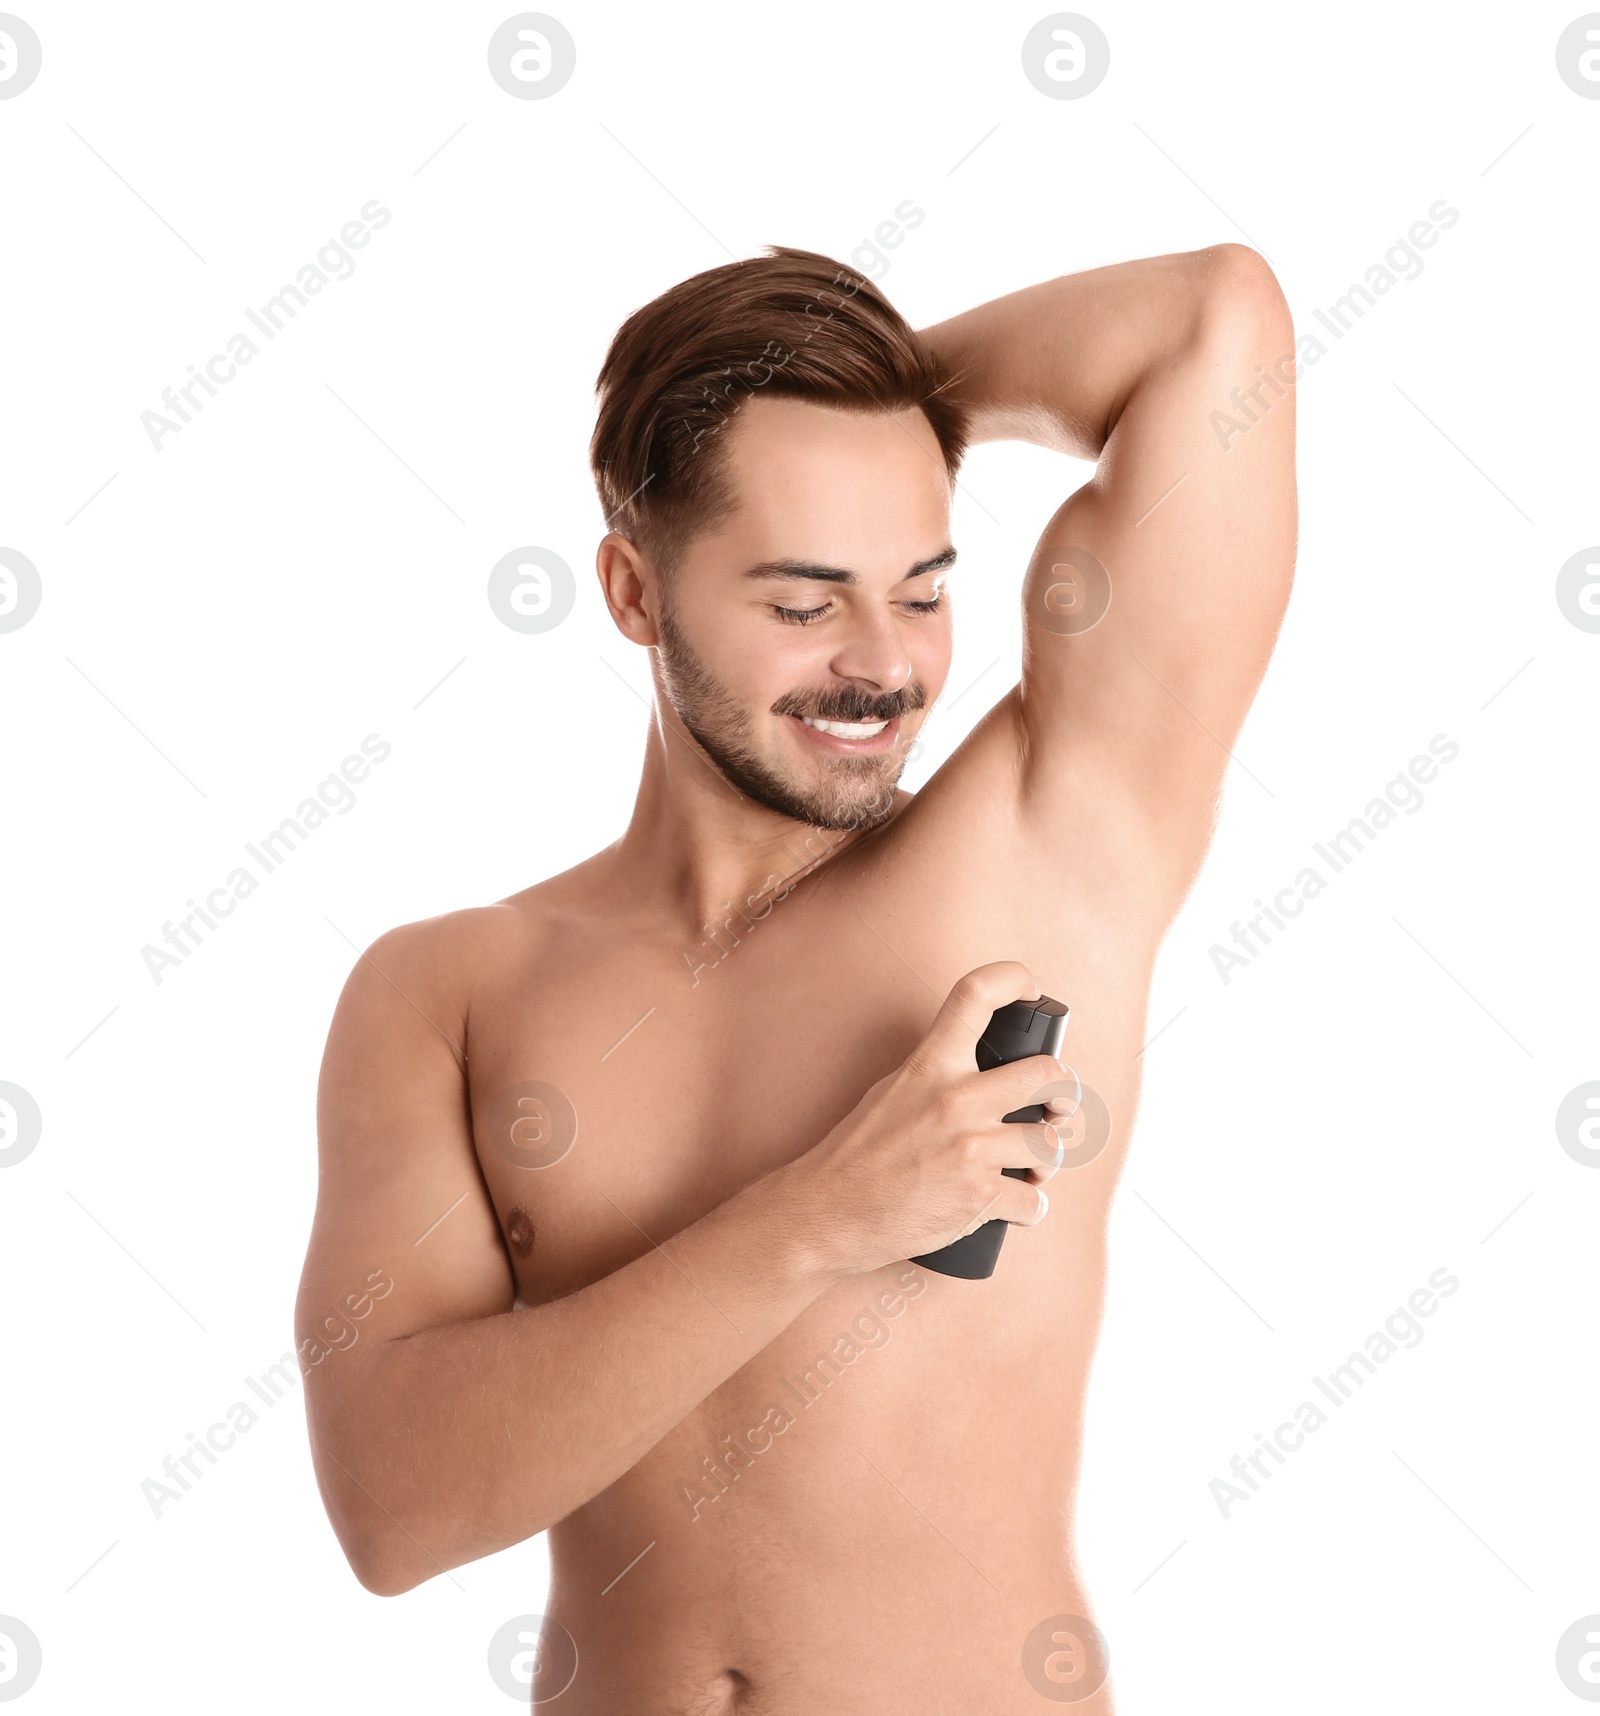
(1057, 363)
(461, 1440)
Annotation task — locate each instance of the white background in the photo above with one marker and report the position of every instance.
(1368, 1101)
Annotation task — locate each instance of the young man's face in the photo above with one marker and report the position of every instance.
(804, 642)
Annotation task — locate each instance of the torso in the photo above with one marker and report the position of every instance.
(902, 1523)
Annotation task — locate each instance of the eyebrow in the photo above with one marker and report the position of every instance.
(821, 574)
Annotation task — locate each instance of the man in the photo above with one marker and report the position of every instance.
(669, 1125)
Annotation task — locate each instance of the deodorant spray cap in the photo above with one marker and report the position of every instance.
(1023, 1028)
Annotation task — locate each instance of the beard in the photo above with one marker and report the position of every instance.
(853, 793)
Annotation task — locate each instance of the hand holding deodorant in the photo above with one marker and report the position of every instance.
(1015, 1032)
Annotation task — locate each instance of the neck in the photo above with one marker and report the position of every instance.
(697, 851)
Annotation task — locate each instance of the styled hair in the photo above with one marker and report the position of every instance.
(792, 323)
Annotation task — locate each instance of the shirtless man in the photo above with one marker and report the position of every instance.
(666, 1176)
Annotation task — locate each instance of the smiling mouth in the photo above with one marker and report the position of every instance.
(846, 729)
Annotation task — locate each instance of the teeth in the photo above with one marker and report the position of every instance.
(847, 729)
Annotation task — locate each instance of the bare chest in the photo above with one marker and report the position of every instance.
(622, 1086)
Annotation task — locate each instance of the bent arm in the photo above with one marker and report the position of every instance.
(445, 1424)
(1176, 374)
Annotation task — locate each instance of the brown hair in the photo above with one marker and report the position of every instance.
(791, 322)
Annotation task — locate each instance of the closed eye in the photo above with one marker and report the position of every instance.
(809, 616)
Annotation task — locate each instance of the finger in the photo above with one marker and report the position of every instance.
(1032, 1145)
(1022, 1202)
(953, 1039)
(1021, 1084)
(1018, 1201)
(986, 1214)
(1070, 1099)
(1049, 1152)
(1068, 1118)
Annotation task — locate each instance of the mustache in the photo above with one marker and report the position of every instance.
(851, 703)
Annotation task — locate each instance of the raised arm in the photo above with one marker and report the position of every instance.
(1177, 375)
(447, 1424)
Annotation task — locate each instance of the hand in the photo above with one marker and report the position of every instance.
(917, 1163)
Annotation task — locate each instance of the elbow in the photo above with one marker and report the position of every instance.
(385, 1555)
(378, 1517)
(375, 1558)
(1240, 298)
(389, 1557)
(383, 1562)
(381, 1578)
(388, 1562)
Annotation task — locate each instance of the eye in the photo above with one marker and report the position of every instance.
(800, 616)
(931, 606)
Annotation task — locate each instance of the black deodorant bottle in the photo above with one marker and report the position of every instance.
(1015, 1032)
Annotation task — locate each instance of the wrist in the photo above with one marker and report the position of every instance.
(805, 1233)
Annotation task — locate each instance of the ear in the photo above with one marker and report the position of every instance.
(630, 585)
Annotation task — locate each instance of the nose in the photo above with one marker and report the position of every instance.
(873, 653)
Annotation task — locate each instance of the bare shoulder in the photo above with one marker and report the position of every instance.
(394, 1116)
(450, 957)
